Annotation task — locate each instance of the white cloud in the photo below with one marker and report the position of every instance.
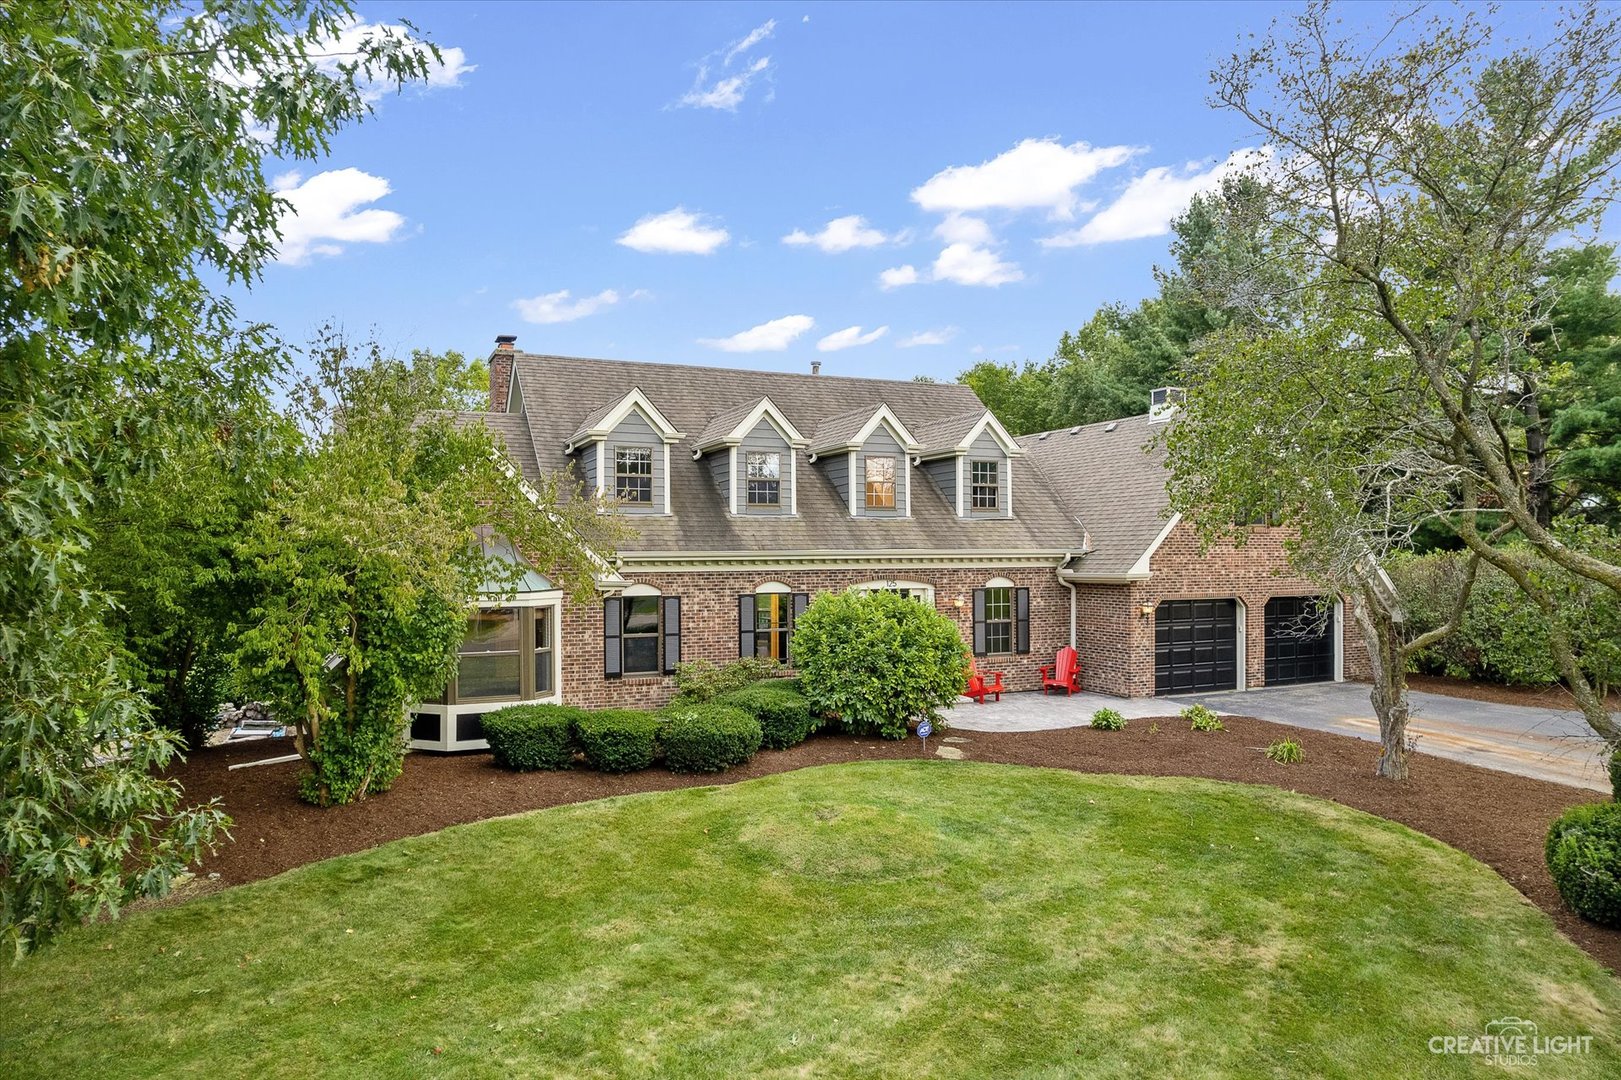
(675, 231)
(1037, 174)
(964, 229)
(840, 234)
(1151, 200)
(849, 338)
(325, 213)
(716, 85)
(560, 307)
(773, 336)
(896, 276)
(927, 337)
(966, 264)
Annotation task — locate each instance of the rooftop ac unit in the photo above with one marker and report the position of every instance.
(1164, 403)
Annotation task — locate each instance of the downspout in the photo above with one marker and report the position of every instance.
(1070, 585)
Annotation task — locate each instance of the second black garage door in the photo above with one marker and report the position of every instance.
(1195, 646)
(1299, 642)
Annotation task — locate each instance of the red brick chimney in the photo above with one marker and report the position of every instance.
(501, 370)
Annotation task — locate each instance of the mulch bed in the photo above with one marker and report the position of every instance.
(1543, 697)
(1499, 818)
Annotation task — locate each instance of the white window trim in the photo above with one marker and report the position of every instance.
(959, 485)
(852, 485)
(448, 714)
(602, 476)
(793, 481)
(731, 462)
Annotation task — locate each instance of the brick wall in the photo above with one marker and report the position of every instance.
(709, 622)
(1117, 640)
(500, 378)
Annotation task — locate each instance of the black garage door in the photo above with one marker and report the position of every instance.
(1195, 646)
(1299, 641)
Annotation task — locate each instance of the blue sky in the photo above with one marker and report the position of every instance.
(619, 181)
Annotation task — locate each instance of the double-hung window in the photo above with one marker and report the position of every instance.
(633, 474)
(640, 638)
(983, 484)
(880, 483)
(489, 666)
(764, 478)
(999, 620)
(771, 615)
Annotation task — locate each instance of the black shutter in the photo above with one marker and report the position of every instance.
(979, 622)
(745, 625)
(613, 660)
(1021, 615)
(672, 633)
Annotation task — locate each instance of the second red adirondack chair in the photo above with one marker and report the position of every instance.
(981, 685)
(1063, 674)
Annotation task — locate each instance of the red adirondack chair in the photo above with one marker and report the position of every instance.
(1063, 674)
(981, 685)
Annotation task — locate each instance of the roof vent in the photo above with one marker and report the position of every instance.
(1110, 426)
(816, 367)
(1043, 436)
(1076, 430)
(1164, 403)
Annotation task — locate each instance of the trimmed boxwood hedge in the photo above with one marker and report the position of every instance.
(784, 713)
(1584, 857)
(529, 737)
(619, 740)
(709, 738)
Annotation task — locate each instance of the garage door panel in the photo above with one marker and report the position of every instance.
(1299, 642)
(1195, 646)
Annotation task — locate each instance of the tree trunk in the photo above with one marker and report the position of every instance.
(1539, 481)
(1381, 632)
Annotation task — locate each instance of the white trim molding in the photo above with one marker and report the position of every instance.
(765, 409)
(633, 399)
(649, 562)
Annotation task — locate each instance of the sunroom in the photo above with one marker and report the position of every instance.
(509, 655)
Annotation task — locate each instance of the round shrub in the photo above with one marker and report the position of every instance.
(784, 713)
(619, 740)
(709, 738)
(1584, 857)
(529, 737)
(877, 660)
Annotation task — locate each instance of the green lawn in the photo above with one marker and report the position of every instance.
(900, 919)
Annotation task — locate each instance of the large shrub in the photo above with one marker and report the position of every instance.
(1503, 637)
(709, 737)
(700, 680)
(1584, 857)
(785, 714)
(529, 737)
(619, 740)
(877, 660)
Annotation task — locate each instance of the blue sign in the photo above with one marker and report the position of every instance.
(925, 729)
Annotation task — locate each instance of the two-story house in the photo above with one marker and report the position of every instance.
(751, 491)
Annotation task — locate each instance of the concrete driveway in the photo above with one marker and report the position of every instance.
(1548, 744)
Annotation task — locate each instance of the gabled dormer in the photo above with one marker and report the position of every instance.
(753, 456)
(623, 449)
(970, 458)
(866, 455)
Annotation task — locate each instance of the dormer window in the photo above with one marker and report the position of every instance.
(633, 474)
(764, 478)
(985, 477)
(880, 483)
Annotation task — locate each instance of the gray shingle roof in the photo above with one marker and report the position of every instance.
(723, 424)
(511, 432)
(837, 432)
(557, 391)
(947, 433)
(597, 415)
(1113, 481)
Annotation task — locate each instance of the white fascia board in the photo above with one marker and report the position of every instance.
(634, 399)
(988, 422)
(766, 410)
(768, 562)
(1139, 570)
(882, 415)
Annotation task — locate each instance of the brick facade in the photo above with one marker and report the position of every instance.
(1116, 641)
(709, 628)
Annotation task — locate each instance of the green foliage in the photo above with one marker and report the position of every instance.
(784, 713)
(1023, 399)
(709, 737)
(529, 737)
(1615, 775)
(1584, 856)
(1200, 718)
(619, 740)
(352, 626)
(1285, 752)
(133, 176)
(701, 680)
(1108, 720)
(1502, 638)
(877, 660)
